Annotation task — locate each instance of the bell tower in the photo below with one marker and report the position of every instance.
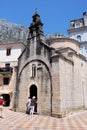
(35, 29)
(35, 36)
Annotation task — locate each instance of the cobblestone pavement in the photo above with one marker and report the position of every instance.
(20, 121)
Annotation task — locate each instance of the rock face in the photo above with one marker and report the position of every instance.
(10, 32)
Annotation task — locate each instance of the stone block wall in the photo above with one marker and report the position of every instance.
(41, 81)
(80, 82)
(66, 85)
(55, 86)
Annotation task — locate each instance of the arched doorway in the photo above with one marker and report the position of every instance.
(33, 92)
(7, 99)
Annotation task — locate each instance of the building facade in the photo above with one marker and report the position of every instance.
(78, 31)
(12, 38)
(52, 70)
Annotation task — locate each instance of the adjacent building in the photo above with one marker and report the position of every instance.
(78, 31)
(12, 38)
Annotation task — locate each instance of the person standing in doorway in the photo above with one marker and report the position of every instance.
(28, 105)
(36, 102)
(1, 105)
(32, 105)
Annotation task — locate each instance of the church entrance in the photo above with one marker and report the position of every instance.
(33, 92)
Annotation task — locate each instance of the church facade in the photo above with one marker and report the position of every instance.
(52, 70)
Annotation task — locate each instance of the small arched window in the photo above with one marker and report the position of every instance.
(79, 38)
(33, 70)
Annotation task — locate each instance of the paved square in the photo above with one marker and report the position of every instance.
(20, 121)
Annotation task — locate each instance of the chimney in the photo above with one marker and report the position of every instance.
(85, 18)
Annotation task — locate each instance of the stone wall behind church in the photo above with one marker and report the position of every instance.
(73, 84)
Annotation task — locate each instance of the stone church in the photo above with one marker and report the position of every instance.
(52, 70)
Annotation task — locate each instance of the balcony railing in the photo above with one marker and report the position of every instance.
(6, 70)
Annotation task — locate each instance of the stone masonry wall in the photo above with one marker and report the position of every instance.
(55, 86)
(66, 85)
(80, 83)
(41, 81)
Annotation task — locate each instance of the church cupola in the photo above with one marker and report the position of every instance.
(35, 29)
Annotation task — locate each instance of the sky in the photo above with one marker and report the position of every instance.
(55, 14)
